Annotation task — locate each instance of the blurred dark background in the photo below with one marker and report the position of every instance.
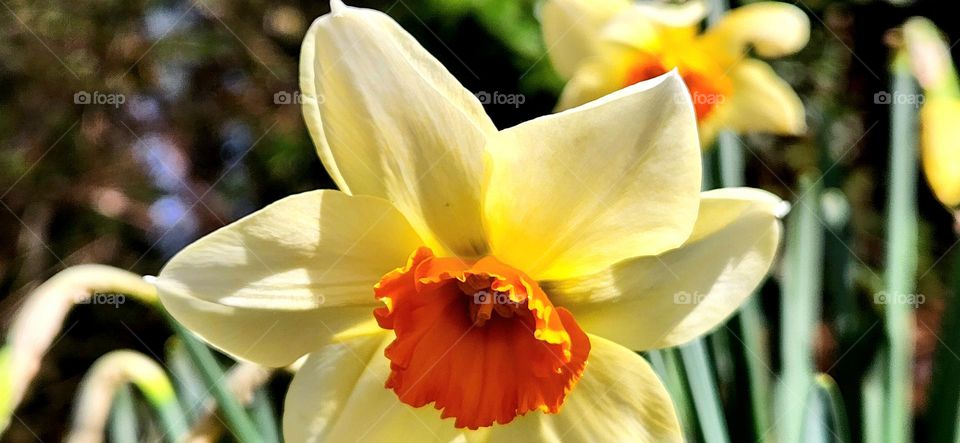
(186, 129)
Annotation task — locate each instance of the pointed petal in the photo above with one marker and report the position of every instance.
(773, 29)
(574, 192)
(619, 398)
(279, 282)
(940, 148)
(761, 102)
(338, 395)
(571, 29)
(649, 26)
(390, 121)
(654, 302)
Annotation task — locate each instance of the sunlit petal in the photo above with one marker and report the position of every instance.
(773, 29)
(276, 284)
(574, 192)
(571, 29)
(390, 121)
(653, 302)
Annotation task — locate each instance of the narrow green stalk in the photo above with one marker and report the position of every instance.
(901, 256)
(123, 417)
(816, 423)
(264, 417)
(704, 391)
(667, 365)
(731, 159)
(237, 419)
(839, 425)
(190, 386)
(757, 357)
(872, 391)
(109, 374)
(800, 304)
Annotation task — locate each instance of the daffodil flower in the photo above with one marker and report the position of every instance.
(929, 58)
(469, 283)
(601, 46)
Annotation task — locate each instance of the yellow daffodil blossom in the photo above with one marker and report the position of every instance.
(468, 283)
(604, 45)
(940, 134)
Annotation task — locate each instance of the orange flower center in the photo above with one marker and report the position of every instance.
(708, 85)
(478, 339)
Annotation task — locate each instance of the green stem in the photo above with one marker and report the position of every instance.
(704, 392)
(237, 419)
(800, 304)
(901, 256)
(872, 392)
(667, 365)
(108, 375)
(123, 417)
(264, 417)
(839, 424)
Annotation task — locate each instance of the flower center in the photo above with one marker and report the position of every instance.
(478, 339)
(709, 86)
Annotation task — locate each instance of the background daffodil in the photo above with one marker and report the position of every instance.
(931, 64)
(602, 46)
(492, 274)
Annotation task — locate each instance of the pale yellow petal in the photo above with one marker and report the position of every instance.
(652, 25)
(761, 102)
(653, 302)
(571, 29)
(619, 399)
(592, 80)
(279, 282)
(390, 121)
(773, 29)
(572, 193)
(338, 395)
(940, 149)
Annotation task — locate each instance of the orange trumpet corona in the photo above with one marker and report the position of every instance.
(478, 339)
